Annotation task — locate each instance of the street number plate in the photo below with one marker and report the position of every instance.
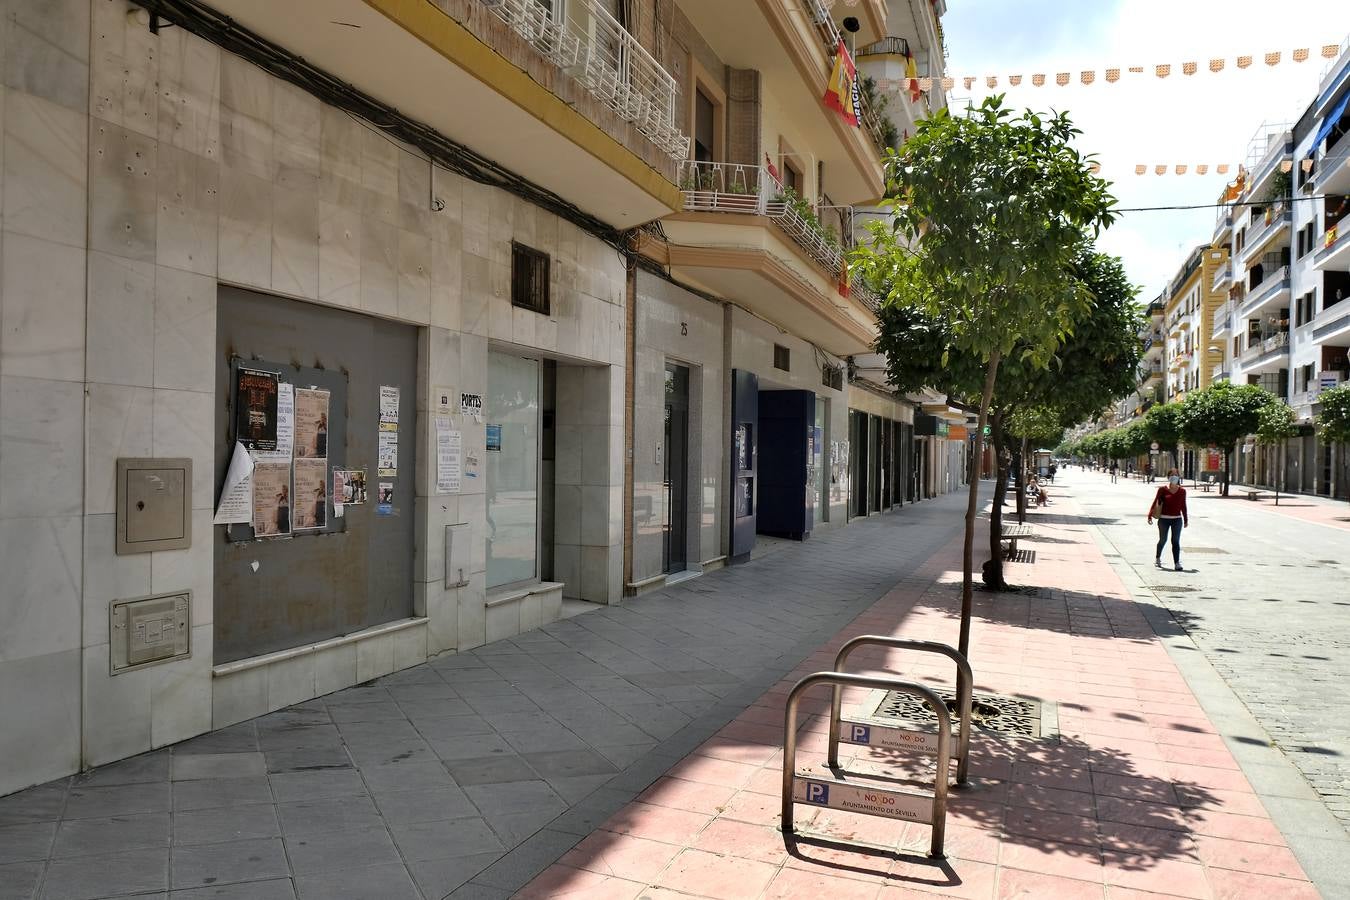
(867, 800)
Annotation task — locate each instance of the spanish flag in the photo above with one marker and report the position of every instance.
(912, 73)
(841, 94)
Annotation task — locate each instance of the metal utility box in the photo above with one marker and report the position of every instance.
(154, 505)
(149, 630)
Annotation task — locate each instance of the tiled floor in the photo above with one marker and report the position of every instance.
(1138, 799)
(486, 765)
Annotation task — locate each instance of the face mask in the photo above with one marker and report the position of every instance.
(1174, 479)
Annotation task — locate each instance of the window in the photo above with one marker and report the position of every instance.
(792, 177)
(832, 377)
(529, 279)
(705, 127)
(782, 358)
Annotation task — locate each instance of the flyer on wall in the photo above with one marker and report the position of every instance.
(236, 496)
(285, 447)
(385, 504)
(255, 399)
(449, 456)
(353, 490)
(386, 453)
(271, 499)
(311, 424)
(388, 404)
(311, 494)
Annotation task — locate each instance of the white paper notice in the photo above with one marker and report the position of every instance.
(449, 456)
(236, 497)
(285, 425)
(388, 404)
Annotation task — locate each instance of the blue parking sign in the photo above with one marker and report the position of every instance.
(860, 734)
(818, 793)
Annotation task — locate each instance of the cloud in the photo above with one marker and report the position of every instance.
(1204, 118)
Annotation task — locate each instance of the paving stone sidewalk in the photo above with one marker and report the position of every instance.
(486, 765)
(1138, 798)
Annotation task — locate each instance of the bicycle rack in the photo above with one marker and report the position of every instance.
(839, 793)
(876, 734)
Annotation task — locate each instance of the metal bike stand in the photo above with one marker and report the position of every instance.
(838, 793)
(869, 734)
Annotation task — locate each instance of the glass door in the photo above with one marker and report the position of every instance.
(512, 470)
(675, 474)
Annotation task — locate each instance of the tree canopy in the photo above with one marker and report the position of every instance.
(1333, 420)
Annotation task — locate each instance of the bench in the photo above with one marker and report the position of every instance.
(1252, 495)
(1010, 535)
(1205, 485)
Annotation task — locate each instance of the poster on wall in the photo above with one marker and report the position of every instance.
(236, 496)
(449, 456)
(388, 404)
(271, 499)
(494, 438)
(386, 453)
(311, 424)
(285, 446)
(471, 465)
(384, 505)
(349, 486)
(311, 495)
(471, 405)
(255, 423)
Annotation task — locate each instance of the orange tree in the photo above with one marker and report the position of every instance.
(986, 214)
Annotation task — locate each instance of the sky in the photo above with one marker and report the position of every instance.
(1202, 118)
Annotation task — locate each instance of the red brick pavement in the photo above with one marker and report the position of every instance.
(1139, 799)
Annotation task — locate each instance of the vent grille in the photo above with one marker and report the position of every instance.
(529, 279)
(782, 358)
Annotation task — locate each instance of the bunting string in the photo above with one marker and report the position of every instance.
(1205, 169)
(1111, 74)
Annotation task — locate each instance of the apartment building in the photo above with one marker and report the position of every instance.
(1284, 326)
(1190, 305)
(339, 338)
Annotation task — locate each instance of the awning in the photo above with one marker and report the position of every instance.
(1332, 118)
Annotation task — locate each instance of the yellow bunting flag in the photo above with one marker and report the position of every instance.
(948, 83)
(1201, 169)
(1137, 70)
(1306, 165)
(1038, 79)
(991, 80)
(1014, 80)
(1087, 77)
(1140, 169)
(1286, 165)
(1301, 54)
(1330, 51)
(1189, 68)
(1243, 62)
(1273, 59)
(1216, 65)
(1222, 169)
(1113, 75)
(1160, 170)
(1181, 170)
(840, 92)
(1062, 79)
(1163, 70)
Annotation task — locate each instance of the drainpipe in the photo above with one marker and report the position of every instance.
(629, 362)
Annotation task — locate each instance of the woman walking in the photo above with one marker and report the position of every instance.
(1169, 508)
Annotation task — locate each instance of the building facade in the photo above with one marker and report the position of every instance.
(396, 269)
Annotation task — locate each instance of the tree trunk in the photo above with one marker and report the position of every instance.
(1227, 469)
(972, 507)
(993, 569)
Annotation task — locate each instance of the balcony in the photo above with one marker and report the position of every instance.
(1266, 351)
(1223, 225)
(1275, 225)
(1223, 317)
(1272, 290)
(743, 237)
(609, 63)
(1335, 252)
(1223, 276)
(1219, 373)
(1151, 374)
(792, 46)
(1271, 144)
(455, 67)
(1333, 169)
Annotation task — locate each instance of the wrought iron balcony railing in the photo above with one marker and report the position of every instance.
(585, 40)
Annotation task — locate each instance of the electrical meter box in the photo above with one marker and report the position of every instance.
(149, 630)
(154, 505)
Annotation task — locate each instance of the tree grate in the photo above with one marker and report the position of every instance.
(1011, 716)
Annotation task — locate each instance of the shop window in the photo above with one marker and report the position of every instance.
(529, 279)
(782, 358)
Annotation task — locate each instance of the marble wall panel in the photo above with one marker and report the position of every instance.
(185, 330)
(122, 191)
(124, 69)
(41, 448)
(41, 309)
(184, 426)
(109, 576)
(379, 267)
(295, 137)
(48, 746)
(40, 601)
(46, 169)
(46, 50)
(339, 255)
(245, 117)
(245, 229)
(180, 704)
(120, 345)
(295, 242)
(188, 211)
(414, 277)
(189, 93)
(118, 422)
(191, 569)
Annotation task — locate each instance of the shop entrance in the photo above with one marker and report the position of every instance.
(788, 488)
(675, 473)
(299, 572)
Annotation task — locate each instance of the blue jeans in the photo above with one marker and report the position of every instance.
(1174, 526)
